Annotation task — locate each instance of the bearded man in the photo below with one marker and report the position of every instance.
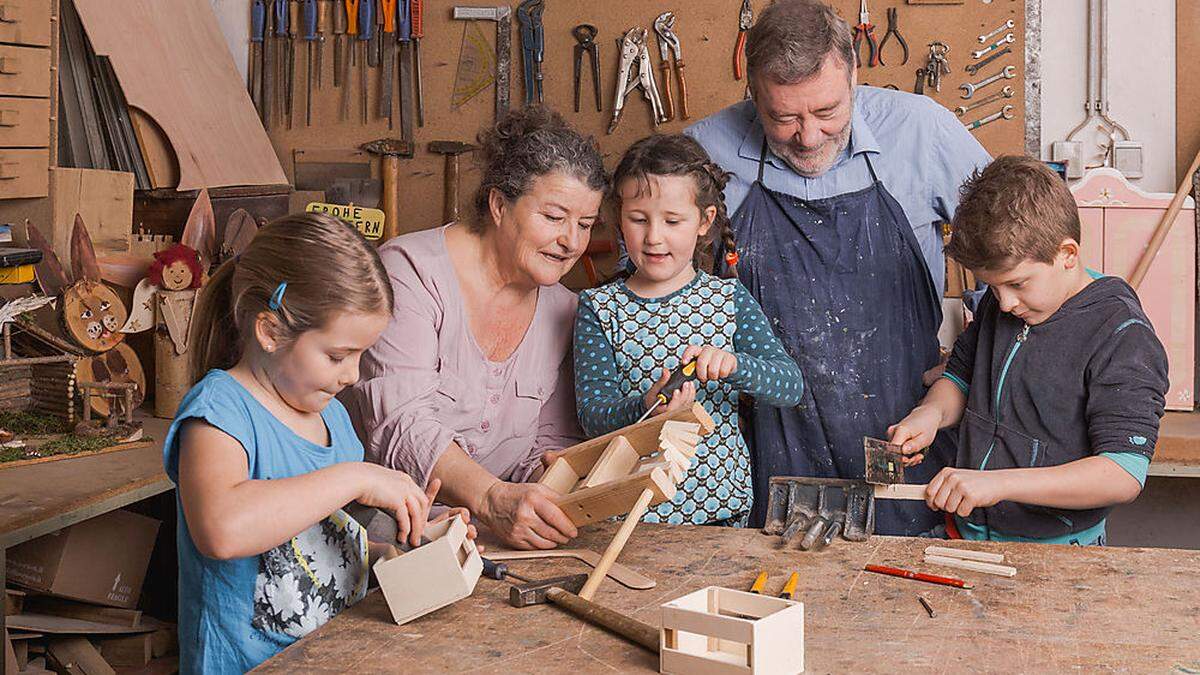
(838, 195)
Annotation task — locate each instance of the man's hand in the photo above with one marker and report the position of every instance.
(524, 516)
(961, 491)
(915, 433)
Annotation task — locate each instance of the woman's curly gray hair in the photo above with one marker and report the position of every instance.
(530, 142)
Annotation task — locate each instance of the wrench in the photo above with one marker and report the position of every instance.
(1007, 39)
(973, 68)
(969, 89)
(1007, 24)
(1006, 113)
(1006, 92)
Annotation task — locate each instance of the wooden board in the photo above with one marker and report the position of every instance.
(105, 201)
(707, 30)
(50, 496)
(61, 625)
(181, 74)
(132, 445)
(1075, 609)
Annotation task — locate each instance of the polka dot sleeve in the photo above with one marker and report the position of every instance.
(597, 381)
(764, 370)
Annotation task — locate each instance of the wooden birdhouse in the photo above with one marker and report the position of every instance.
(719, 630)
(433, 575)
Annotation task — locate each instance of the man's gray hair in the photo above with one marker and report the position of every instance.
(792, 38)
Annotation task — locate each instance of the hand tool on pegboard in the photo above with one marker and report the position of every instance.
(451, 151)
(533, 48)
(366, 30)
(279, 84)
(502, 16)
(1007, 113)
(865, 30)
(893, 30)
(1007, 92)
(387, 73)
(745, 21)
(404, 35)
(585, 43)
(390, 151)
(293, 32)
(668, 47)
(374, 44)
(973, 68)
(969, 88)
(937, 65)
(323, 7)
(310, 43)
(258, 24)
(417, 10)
(634, 54)
(1007, 25)
(338, 25)
(350, 57)
(1006, 40)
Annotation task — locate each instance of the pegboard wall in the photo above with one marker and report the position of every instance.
(707, 30)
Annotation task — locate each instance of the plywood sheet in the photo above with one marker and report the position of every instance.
(174, 65)
(105, 201)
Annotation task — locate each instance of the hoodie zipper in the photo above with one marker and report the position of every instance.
(1012, 352)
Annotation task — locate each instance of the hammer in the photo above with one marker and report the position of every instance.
(561, 591)
(390, 150)
(451, 150)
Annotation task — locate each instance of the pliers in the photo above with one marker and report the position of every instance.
(745, 20)
(585, 42)
(668, 45)
(865, 29)
(635, 55)
(893, 21)
(533, 47)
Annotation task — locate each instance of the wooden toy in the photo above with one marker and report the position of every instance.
(431, 576)
(719, 630)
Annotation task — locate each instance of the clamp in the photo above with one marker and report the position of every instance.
(533, 47)
(585, 42)
(892, 30)
(668, 46)
(634, 54)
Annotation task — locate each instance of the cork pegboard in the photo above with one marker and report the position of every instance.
(707, 30)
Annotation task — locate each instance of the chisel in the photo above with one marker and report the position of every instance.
(310, 39)
(351, 37)
(322, 29)
(404, 35)
(293, 31)
(366, 30)
(339, 31)
(280, 49)
(388, 9)
(258, 23)
(418, 32)
(682, 374)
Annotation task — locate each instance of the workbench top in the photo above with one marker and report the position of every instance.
(1068, 608)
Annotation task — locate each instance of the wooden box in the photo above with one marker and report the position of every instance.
(433, 575)
(603, 477)
(1118, 220)
(719, 630)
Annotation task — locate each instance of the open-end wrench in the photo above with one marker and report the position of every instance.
(1006, 92)
(969, 89)
(973, 68)
(1007, 39)
(1006, 112)
(999, 29)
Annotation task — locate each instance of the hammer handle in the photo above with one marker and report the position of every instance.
(450, 190)
(626, 626)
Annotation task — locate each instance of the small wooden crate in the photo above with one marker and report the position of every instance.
(719, 630)
(432, 575)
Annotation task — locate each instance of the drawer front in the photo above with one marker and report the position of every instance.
(24, 71)
(25, 22)
(24, 173)
(24, 122)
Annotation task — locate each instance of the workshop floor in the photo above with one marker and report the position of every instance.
(1167, 514)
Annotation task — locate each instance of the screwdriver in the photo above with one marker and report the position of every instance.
(310, 39)
(498, 571)
(366, 31)
(258, 23)
(322, 29)
(682, 374)
(339, 31)
(280, 49)
(351, 34)
(293, 30)
(388, 9)
(418, 32)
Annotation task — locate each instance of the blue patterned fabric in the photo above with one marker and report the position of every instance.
(622, 341)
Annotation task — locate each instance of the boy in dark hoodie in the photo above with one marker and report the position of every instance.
(1057, 386)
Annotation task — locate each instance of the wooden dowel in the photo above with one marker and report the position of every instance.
(974, 565)
(617, 543)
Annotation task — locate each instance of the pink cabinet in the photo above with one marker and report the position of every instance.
(1118, 220)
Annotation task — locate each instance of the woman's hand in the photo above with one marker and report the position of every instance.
(682, 398)
(711, 363)
(525, 516)
(397, 493)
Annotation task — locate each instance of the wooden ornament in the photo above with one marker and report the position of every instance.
(118, 365)
(93, 315)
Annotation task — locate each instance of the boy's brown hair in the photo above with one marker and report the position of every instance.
(1013, 210)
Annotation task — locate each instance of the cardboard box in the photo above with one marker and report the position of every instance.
(102, 560)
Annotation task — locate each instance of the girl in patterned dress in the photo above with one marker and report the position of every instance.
(630, 334)
(265, 457)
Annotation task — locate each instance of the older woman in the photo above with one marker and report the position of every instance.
(471, 382)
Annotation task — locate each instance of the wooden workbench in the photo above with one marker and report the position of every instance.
(1068, 608)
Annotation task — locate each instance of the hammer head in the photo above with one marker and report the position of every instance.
(535, 593)
(450, 147)
(389, 146)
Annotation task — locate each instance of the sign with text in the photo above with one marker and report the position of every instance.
(368, 221)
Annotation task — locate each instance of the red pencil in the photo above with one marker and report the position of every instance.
(918, 576)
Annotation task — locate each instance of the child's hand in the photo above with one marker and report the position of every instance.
(397, 493)
(961, 491)
(682, 398)
(915, 433)
(711, 363)
(463, 513)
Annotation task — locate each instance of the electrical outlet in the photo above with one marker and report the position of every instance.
(1128, 159)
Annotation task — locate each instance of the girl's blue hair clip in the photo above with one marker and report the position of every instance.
(277, 297)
